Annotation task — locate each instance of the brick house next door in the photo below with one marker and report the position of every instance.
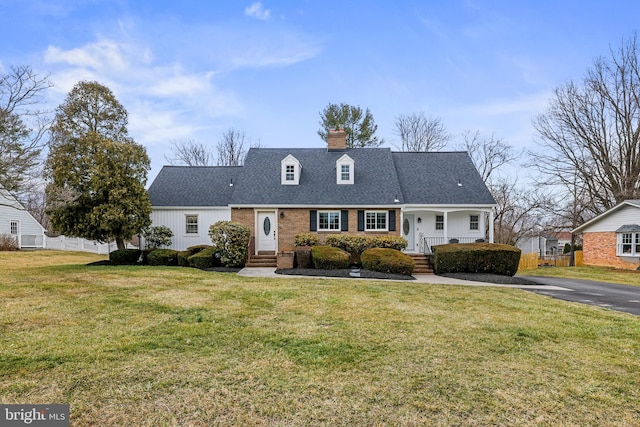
(266, 232)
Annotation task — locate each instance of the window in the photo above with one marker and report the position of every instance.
(192, 224)
(439, 222)
(376, 221)
(629, 244)
(345, 173)
(14, 227)
(329, 221)
(474, 222)
(290, 173)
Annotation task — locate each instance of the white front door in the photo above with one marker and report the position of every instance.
(266, 232)
(409, 232)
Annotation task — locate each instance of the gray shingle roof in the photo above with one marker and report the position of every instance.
(193, 186)
(381, 177)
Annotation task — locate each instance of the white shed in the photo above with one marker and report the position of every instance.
(16, 221)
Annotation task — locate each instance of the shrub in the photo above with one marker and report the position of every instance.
(387, 261)
(205, 258)
(158, 236)
(231, 240)
(476, 258)
(306, 239)
(327, 257)
(163, 257)
(357, 244)
(183, 258)
(197, 248)
(124, 257)
(8, 243)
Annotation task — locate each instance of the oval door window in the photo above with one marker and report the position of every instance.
(266, 225)
(406, 227)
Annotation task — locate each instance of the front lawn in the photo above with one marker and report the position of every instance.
(598, 274)
(163, 346)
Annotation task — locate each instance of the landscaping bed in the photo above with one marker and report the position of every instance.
(490, 278)
(343, 272)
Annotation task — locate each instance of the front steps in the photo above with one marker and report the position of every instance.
(424, 263)
(262, 261)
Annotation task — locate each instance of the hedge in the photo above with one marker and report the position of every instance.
(387, 261)
(205, 258)
(356, 244)
(476, 258)
(162, 257)
(329, 258)
(124, 257)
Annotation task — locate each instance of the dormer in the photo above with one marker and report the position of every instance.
(345, 170)
(290, 171)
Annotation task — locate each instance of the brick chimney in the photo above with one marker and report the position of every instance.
(336, 139)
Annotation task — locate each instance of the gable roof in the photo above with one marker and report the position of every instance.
(635, 203)
(440, 178)
(382, 178)
(194, 185)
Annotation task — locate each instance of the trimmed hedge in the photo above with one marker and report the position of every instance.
(387, 261)
(357, 244)
(197, 248)
(477, 258)
(124, 257)
(329, 258)
(306, 239)
(205, 258)
(183, 258)
(162, 257)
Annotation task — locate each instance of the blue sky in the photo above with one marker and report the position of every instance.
(193, 69)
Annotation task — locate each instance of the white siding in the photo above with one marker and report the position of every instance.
(175, 219)
(31, 232)
(623, 216)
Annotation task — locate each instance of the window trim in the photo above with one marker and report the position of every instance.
(439, 225)
(290, 162)
(187, 224)
(14, 228)
(377, 213)
(476, 222)
(630, 239)
(345, 160)
(330, 213)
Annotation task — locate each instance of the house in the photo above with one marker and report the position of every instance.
(428, 198)
(612, 239)
(17, 222)
(549, 244)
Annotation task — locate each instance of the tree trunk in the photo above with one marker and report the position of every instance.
(120, 243)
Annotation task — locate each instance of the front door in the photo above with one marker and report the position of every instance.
(409, 232)
(266, 232)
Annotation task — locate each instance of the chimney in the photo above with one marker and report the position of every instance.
(336, 139)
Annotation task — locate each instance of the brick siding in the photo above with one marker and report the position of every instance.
(599, 249)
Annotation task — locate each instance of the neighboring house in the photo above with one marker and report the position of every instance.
(427, 198)
(16, 221)
(612, 239)
(544, 243)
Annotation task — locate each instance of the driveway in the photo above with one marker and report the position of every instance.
(608, 295)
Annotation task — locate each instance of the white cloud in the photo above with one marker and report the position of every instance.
(256, 10)
(103, 54)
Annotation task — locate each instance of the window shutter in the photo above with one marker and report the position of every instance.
(344, 220)
(360, 220)
(392, 220)
(313, 220)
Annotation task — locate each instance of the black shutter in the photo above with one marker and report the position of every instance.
(313, 220)
(360, 220)
(344, 220)
(392, 220)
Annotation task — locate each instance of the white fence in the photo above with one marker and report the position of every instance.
(63, 243)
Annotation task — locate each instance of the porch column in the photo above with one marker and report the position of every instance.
(491, 219)
(445, 227)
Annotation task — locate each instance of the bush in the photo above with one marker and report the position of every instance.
(387, 261)
(306, 239)
(156, 237)
(124, 257)
(205, 258)
(357, 244)
(231, 240)
(163, 257)
(476, 258)
(183, 258)
(8, 243)
(327, 257)
(197, 248)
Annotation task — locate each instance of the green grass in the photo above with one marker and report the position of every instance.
(175, 346)
(598, 274)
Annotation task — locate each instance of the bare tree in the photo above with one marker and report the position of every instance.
(232, 147)
(189, 152)
(488, 154)
(590, 134)
(418, 132)
(23, 125)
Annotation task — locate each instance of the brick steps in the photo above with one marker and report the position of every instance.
(262, 261)
(424, 264)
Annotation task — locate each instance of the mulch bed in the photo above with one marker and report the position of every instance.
(490, 278)
(347, 272)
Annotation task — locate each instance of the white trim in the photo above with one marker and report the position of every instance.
(633, 203)
(345, 160)
(329, 211)
(376, 211)
(290, 160)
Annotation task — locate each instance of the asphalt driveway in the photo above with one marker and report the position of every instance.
(608, 295)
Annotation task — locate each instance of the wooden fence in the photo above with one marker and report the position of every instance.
(532, 261)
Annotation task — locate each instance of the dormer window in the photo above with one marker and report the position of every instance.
(345, 170)
(290, 173)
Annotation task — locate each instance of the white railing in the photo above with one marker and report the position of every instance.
(429, 242)
(64, 243)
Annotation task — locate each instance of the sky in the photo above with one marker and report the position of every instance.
(191, 70)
